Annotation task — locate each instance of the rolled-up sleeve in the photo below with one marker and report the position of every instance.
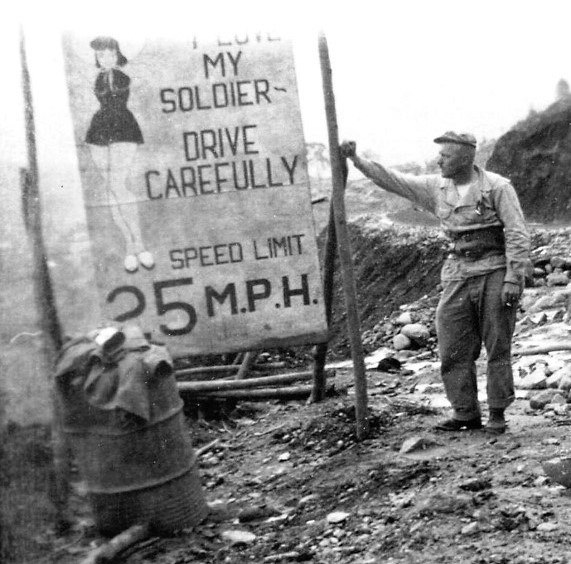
(517, 238)
(421, 190)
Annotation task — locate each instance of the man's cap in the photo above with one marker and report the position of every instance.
(460, 138)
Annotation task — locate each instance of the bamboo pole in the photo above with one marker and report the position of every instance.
(260, 394)
(43, 294)
(198, 372)
(344, 245)
(543, 349)
(215, 385)
(185, 372)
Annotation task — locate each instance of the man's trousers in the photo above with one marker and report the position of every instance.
(470, 312)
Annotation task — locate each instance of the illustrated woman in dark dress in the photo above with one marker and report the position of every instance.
(113, 137)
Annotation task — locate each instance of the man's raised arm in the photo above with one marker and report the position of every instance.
(421, 190)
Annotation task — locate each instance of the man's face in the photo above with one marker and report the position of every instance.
(452, 159)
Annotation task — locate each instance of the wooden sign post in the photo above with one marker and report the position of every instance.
(344, 244)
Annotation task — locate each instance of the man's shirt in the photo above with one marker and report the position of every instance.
(490, 201)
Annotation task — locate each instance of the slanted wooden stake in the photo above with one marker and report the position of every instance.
(320, 355)
(344, 245)
(109, 551)
(43, 294)
(249, 359)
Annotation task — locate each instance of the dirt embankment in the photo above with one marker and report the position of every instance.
(393, 266)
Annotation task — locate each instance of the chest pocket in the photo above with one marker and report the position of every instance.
(478, 212)
(444, 209)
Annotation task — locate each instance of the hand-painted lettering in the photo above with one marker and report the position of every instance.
(217, 95)
(216, 143)
(277, 247)
(225, 176)
(259, 289)
(212, 295)
(223, 253)
(219, 61)
(288, 292)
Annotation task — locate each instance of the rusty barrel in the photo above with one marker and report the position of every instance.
(137, 471)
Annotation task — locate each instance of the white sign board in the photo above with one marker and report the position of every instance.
(194, 178)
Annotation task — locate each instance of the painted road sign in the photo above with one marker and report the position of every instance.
(196, 192)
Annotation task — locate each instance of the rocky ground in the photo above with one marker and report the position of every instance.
(289, 482)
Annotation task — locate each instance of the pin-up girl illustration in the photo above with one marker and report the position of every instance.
(113, 137)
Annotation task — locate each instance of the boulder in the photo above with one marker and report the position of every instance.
(558, 399)
(416, 332)
(337, 516)
(442, 502)
(557, 279)
(558, 408)
(416, 443)
(401, 342)
(528, 299)
(559, 470)
(565, 377)
(550, 301)
(554, 364)
(541, 399)
(389, 364)
(557, 262)
(471, 528)
(536, 380)
(553, 381)
(404, 318)
(238, 536)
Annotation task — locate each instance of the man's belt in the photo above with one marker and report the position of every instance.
(474, 244)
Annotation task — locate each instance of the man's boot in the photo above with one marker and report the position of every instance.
(458, 424)
(496, 424)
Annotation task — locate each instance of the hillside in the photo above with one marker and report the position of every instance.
(536, 155)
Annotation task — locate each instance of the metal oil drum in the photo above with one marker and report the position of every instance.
(136, 471)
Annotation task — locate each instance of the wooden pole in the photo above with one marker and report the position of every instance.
(344, 245)
(43, 294)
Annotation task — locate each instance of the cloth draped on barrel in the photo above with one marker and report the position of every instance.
(122, 413)
(116, 379)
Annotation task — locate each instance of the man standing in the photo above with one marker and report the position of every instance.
(482, 278)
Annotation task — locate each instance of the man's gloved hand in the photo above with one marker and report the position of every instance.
(348, 149)
(511, 293)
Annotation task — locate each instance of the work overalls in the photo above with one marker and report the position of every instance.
(470, 310)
